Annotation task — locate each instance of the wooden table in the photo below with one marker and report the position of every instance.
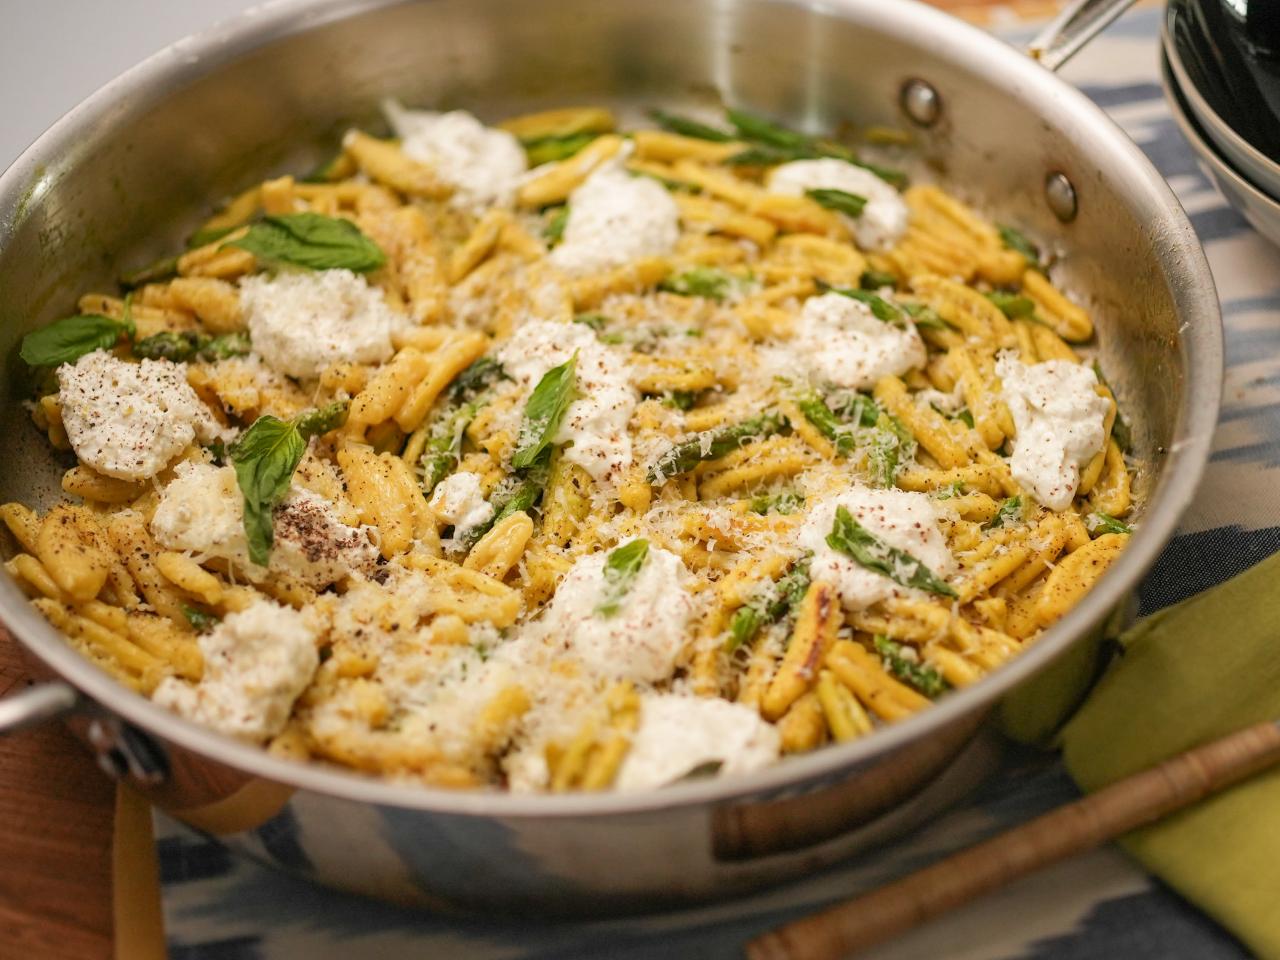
(56, 807)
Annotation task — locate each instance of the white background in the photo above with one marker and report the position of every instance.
(54, 53)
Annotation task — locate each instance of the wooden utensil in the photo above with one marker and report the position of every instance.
(1127, 804)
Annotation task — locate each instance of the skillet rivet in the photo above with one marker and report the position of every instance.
(1061, 196)
(921, 102)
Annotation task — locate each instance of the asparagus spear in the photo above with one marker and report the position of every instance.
(188, 345)
(712, 445)
(919, 675)
(769, 605)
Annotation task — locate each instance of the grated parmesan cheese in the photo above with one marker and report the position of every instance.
(129, 420)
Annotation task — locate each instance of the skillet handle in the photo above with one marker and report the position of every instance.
(1079, 23)
(36, 705)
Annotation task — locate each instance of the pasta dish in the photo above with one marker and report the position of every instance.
(552, 456)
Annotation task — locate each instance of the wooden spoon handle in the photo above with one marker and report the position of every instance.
(1133, 802)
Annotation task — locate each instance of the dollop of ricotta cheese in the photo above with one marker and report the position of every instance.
(615, 218)
(129, 420)
(256, 664)
(839, 341)
(1060, 419)
(459, 501)
(301, 322)
(679, 734)
(596, 421)
(482, 164)
(639, 642)
(898, 518)
(202, 511)
(883, 220)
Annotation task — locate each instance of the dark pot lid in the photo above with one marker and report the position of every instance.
(1230, 51)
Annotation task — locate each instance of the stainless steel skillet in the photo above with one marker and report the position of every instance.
(124, 177)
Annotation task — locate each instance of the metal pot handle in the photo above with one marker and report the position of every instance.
(39, 704)
(1079, 23)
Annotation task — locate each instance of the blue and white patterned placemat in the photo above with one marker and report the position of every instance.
(219, 907)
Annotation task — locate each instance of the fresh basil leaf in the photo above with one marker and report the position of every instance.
(712, 445)
(689, 128)
(881, 308)
(850, 204)
(1100, 523)
(1013, 305)
(185, 345)
(620, 571)
(540, 150)
(855, 541)
(1015, 239)
(919, 675)
(709, 282)
(201, 620)
(877, 279)
(312, 241)
(544, 411)
(557, 220)
(264, 458)
(1010, 512)
(69, 339)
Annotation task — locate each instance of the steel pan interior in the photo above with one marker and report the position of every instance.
(125, 177)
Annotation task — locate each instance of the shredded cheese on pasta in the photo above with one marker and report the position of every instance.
(637, 432)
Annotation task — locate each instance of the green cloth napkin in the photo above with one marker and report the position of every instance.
(1191, 673)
